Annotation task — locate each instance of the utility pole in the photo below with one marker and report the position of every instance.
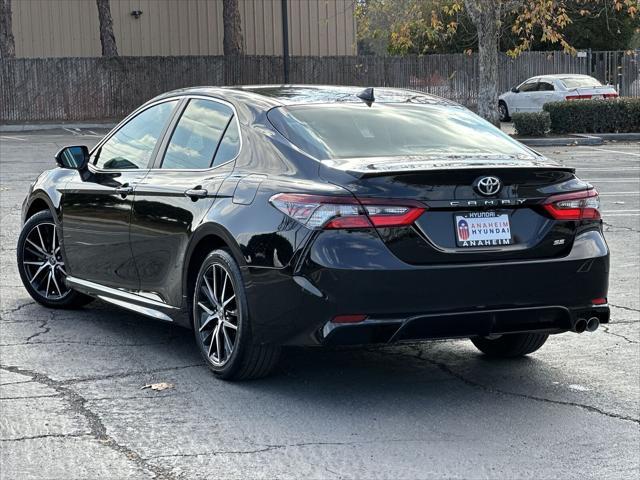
(285, 40)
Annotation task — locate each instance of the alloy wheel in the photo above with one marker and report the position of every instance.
(217, 314)
(42, 262)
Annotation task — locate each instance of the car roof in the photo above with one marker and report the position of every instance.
(560, 76)
(269, 96)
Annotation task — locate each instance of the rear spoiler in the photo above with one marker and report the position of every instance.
(372, 167)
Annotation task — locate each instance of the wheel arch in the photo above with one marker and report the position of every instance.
(205, 239)
(40, 202)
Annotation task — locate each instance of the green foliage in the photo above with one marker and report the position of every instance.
(595, 116)
(535, 124)
(417, 27)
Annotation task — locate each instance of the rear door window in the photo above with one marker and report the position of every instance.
(197, 135)
(545, 87)
(230, 144)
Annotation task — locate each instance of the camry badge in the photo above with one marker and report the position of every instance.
(488, 186)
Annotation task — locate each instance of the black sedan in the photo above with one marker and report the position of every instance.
(302, 215)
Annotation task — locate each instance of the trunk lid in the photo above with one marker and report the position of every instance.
(448, 187)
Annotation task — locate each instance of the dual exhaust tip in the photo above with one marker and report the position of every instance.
(584, 325)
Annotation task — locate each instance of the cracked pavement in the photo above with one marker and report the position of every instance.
(71, 404)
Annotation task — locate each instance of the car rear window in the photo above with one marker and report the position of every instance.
(580, 82)
(333, 131)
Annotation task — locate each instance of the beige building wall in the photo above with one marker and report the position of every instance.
(69, 28)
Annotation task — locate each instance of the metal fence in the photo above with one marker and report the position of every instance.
(74, 89)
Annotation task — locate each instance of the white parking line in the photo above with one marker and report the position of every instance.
(6, 137)
(621, 214)
(612, 151)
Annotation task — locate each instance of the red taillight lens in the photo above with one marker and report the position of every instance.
(577, 97)
(610, 95)
(316, 211)
(583, 205)
(599, 301)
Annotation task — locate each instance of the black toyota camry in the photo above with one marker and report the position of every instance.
(310, 215)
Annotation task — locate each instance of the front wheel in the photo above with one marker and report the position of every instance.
(221, 322)
(41, 265)
(511, 345)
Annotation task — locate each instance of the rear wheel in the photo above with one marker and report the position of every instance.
(41, 266)
(504, 112)
(221, 322)
(511, 345)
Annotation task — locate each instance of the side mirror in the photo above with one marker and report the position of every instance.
(515, 90)
(75, 157)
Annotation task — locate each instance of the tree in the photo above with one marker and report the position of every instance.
(232, 43)
(7, 42)
(107, 38)
(427, 25)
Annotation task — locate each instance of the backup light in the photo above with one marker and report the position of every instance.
(326, 212)
(583, 205)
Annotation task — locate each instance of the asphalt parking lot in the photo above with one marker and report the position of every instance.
(72, 403)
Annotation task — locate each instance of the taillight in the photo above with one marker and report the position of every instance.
(587, 97)
(583, 205)
(317, 211)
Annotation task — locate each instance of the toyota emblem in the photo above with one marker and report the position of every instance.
(488, 186)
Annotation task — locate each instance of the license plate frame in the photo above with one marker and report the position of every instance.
(486, 229)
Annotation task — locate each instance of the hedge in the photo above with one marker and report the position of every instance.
(620, 115)
(535, 124)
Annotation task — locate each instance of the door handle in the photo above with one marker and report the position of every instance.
(124, 190)
(196, 193)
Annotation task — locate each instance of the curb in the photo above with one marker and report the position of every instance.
(54, 126)
(577, 139)
(620, 136)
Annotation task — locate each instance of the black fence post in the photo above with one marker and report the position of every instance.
(285, 40)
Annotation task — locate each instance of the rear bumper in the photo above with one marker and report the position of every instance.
(354, 273)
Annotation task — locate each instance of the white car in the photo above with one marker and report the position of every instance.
(533, 93)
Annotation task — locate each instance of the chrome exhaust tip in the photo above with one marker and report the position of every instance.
(592, 324)
(580, 325)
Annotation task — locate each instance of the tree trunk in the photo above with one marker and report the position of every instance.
(7, 42)
(485, 16)
(107, 38)
(232, 42)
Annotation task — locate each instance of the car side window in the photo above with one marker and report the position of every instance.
(132, 145)
(545, 87)
(230, 144)
(530, 86)
(196, 137)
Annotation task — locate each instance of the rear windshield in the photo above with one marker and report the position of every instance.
(580, 82)
(334, 131)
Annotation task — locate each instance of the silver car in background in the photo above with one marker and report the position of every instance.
(533, 93)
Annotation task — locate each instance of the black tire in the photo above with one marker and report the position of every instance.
(511, 345)
(504, 111)
(248, 359)
(44, 224)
